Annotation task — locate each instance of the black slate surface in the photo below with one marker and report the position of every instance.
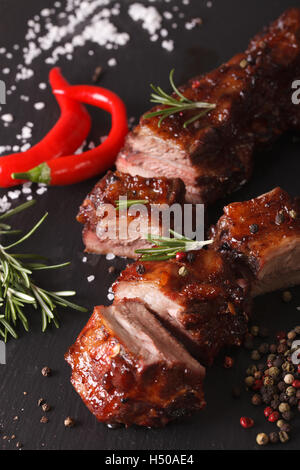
(227, 28)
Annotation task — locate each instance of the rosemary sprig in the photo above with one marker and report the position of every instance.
(176, 105)
(126, 203)
(17, 287)
(166, 248)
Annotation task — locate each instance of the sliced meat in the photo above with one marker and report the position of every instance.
(264, 235)
(128, 369)
(201, 301)
(252, 93)
(103, 232)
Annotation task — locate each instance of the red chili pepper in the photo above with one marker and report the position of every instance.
(274, 417)
(246, 422)
(268, 411)
(74, 168)
(65, 137)
(296, 384)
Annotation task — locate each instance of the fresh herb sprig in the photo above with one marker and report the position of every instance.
(126, 203)
(166, 248)
(176, 105)
(17, 288)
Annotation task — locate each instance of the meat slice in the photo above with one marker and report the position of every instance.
(128, 369)
(252, 93)
(123, 242)
(264, 235)
(202, 301)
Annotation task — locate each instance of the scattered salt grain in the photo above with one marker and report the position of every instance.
(40, 105)
(41, 191)
(29, 198)
(112, 62)
(6, 71)
(150, 17)
(26, 189)
(91, 278)
(209, 4)
(84, 259)
(5, 205)
(42, 86)
(14, 194)
(7, 117)
(168, 45)
(110, 296)
(110, 256)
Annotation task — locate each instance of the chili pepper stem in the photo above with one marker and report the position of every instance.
(38, 174)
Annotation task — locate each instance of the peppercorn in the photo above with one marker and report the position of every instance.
(291, 335)
(249, 381)
(255, 355)
(297, 330)
(268, 411)
(278, 362)
(258, 374)
(284, 407)
(190, 257)
(296, 383)
(46, 371)
(44, 420)
(283, 436)
(182, 271)
(288, 379)
(251, 370)
(275, 403)
(262, 439)
(282, 348)
(272, 348)
(263, 348)
(69, 422)
(281, 386)
(256, 399)
(228, 362)
(280, 423)
(287, 367)
(290, 391)
(246, 422)
(271, 358)
(286, 296)
(268, 381)
(140, 269)
(293, 401)
(287, 415)
(273, 437)
(254, 330)
(180, 256)
(253, 228)
(286, 427)
(273, 372)
(273, 417)
(40, 401)
(46, 407)
(280, 335)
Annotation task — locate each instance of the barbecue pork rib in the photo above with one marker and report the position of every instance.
(252, 93)
(202, 301)
(263, 234)
(128, 369)
(107, 191)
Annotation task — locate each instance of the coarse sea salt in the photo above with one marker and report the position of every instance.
(150, 17)
(7, 117)
(110, 256)
(91, 278)
(40, 105)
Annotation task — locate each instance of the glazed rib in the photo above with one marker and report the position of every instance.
(252, 93)
(113, 185)
(263, 234)
(128, 369)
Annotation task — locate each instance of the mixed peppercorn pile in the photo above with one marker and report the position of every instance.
(274, 382)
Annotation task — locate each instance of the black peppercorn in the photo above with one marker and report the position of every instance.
(253, 228)
(287, 415)
(140, 269)
(190, 257)
(273, 437)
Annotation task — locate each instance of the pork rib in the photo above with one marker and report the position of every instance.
(128, 369)
(264, 235)
(252, 93)
(108, 190)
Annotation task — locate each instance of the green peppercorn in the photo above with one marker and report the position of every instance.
(249, 381)
(290, 391)
(273, 372)
(255, 355)
(283, 436)
(268, 381)
(262, 439)
(287, 367)
(280, 423)
(284, 407)
(251, 369)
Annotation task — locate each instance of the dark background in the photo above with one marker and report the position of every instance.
(227, 27)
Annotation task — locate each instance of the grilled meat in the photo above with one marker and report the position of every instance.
(202, 301)
(124, 241)
(264, 235)
(128, 369)
(252, 93)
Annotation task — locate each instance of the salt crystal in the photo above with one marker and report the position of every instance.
(40, 105)
(168, 45)
(42, 86)
(150, 17)
(110, 256)
(84, 259)
(29, 198)
(7, 117)
(6, 70)
(91, 278)
(112, 62)
(110, 296)
(41, 191)
(14, 194)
